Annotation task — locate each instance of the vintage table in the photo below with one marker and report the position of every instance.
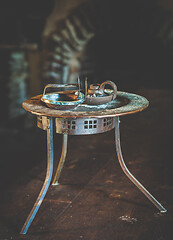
(83, 120)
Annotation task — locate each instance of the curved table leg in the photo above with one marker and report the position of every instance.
(127, 172)
(62, 160)
(47, 181)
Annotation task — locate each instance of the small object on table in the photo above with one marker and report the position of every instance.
(66, 99)
(97, 94)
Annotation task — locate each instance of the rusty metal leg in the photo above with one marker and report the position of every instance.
(47, 181)
(62, 160)
(127, 172)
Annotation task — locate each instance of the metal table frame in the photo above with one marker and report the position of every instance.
(49, 128)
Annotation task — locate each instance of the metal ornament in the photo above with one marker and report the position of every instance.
(97, 94)
(84, 126)
(66, 99)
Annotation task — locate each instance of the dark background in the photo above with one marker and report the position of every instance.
(132, 45)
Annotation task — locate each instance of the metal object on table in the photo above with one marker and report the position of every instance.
(65, 99)
(81, 121)
(97, 94)
(86, 87)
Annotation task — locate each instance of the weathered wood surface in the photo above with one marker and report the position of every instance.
(95, 200)
(125, 103)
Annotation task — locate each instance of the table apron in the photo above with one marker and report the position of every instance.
(79, 126)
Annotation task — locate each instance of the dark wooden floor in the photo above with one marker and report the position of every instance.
(95, 200)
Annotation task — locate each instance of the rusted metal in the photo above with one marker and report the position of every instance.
(42, 122)
(125, 103)
(79, 126)
(86, 87)
(66, 99)
(62, 160)
(47, 181)
(128, 173)
(82, 121)
(97, 94)
(84, 126)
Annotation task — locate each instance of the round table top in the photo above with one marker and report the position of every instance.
(125, 103)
